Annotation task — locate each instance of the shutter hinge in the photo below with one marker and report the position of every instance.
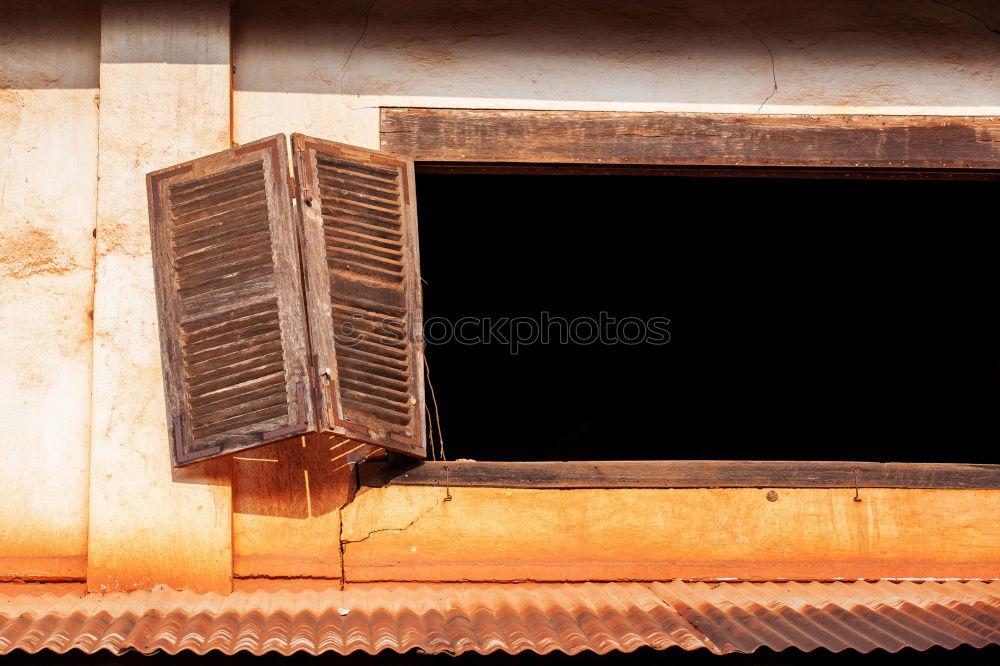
(317, 387)
(331, 388)
(294, 428)
(305, 196)
(178, 438)
(181, 456)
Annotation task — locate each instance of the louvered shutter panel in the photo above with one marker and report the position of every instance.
(229, 289)
(358, 213)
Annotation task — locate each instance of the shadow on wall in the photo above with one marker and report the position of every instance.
(41, 53)
(297, 478)
(682, 51)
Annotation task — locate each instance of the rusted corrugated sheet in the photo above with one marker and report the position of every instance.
(741, 617)
(722, 617)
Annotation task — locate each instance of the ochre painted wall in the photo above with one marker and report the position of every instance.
(286, 507)
(495, 534)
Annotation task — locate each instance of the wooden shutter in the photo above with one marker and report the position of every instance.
(358, 213)
(229, 289)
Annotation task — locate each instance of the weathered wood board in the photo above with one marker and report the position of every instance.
(683, 474)
(613, 137)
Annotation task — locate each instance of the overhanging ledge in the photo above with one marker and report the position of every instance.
(682, 474)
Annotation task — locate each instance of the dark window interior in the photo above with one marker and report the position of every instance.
(809, 319)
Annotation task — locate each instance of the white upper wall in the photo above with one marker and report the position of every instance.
(828, 56)
(48, 182)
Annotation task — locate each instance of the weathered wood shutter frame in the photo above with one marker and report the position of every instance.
(370, 257)
(234, 282)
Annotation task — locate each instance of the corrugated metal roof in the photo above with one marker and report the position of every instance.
(722, 617)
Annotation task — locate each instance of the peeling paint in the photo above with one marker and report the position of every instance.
(394, 529)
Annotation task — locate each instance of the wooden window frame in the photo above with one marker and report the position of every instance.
(914, 145)
(861, 147)
(680, 474)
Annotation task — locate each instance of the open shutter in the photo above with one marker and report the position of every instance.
(229, 289)
(358, 213)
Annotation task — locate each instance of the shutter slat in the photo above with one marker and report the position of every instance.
(363, 291)
(358, 408)
(375, 360)
(269, 416)
(380, 380)
(242, 246)
(202, 233)
(360, 269)
(359, 166)
(372, 188)
(354, 224)
(216, 340)
(384, 354)
(230, 293)
(345, 238)
(261, 346)
(386, 260)
(237, 394)
(196, 186)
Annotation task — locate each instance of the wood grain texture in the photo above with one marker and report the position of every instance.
(406, 533)
(682, 474)
(359, 234)
(229, 289)
(600, 137)
(798, 173)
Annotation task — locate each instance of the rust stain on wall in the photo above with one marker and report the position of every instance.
(27, 251)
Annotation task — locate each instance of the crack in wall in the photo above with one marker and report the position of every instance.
(364, 30)
(423, 513)
(340, 542)
(343, 542)
(986, 25)
(770, 54)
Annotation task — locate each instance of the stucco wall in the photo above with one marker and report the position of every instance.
(324, 69)
(164, 99)
(48, 182)
(508, 534)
